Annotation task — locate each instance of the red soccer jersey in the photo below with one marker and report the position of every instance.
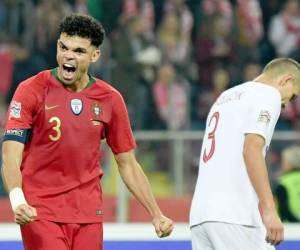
(60, 167)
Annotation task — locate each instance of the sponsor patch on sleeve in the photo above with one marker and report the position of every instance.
(15, 110)
(264, 117)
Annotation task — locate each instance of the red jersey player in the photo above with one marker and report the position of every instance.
(51, 169)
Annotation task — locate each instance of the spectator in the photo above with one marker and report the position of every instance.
(214, 48)
(174, 33)
(133, 53)
(288, 189)
(108, 12)
(180, 8)
(171, 97)
(249, 23)
(17, 17)
(6, 66)
(25, 65)
(102, 68)
(206, 98)
(145, 9)
(218, 7)
(174, 44)
(249, 26)
(49, 13)
(269, 9)
(250, 71)
(284, 32)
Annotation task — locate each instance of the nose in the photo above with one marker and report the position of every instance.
(68, 54)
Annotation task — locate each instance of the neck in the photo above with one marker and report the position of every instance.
(265, 79)
(79, 85)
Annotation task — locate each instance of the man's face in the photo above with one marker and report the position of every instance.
(74, 55)
(290, 92)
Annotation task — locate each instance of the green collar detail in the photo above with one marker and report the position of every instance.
(54, 73)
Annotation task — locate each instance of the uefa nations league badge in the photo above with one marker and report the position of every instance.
(76, 106)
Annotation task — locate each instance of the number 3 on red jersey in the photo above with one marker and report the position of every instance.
(213, 124)
(56, 127)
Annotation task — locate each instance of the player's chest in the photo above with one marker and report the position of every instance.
(72, 113)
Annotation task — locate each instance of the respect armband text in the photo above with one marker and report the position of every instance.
(17, 134)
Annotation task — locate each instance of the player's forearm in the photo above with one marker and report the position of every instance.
(11, 161)
(138, 184)
(257, 172)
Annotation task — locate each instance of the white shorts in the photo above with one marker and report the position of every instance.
(226, 236)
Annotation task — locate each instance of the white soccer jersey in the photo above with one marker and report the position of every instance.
(223, 191)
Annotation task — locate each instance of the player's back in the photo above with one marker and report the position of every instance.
(223, 191)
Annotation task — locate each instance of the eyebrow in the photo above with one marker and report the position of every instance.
(293, 97)
(78, 49)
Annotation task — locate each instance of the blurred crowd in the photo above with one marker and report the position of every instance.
(169, 58)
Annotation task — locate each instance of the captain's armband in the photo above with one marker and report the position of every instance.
(17, 134)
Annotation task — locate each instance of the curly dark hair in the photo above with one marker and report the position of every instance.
(83, 26)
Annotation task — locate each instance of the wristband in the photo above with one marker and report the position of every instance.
(16, 197)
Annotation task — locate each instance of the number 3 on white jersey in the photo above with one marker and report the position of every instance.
(212, 127)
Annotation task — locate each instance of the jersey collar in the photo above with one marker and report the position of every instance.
(92, 80)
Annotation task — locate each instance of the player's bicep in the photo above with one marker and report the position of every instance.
(253, 148)
(12, 154)
(12, 151)
(254, 142)
(125, 158)
(12, 147)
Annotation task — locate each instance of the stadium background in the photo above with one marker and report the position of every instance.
(170, 59)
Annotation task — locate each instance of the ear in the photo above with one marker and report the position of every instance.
(284, 79)
(96, 55)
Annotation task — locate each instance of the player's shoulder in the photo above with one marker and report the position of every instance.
(263, 91)
(234, 92)
(105, 87)
(257, 89)
(36, 82)
(246, 86)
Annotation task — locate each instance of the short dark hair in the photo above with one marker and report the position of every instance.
(83, 26)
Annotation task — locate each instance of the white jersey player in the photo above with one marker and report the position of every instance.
(233, 207)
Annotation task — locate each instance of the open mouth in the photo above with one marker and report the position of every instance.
(68, 71)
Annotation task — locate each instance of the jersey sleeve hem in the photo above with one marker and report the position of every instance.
(123, 150)
(257, 132)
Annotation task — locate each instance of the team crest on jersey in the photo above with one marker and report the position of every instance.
(76, 106)
(15, 110)
(96, 111)
(264, 117)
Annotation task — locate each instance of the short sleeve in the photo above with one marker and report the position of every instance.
(263, 113)
(22, 108)
(119, 135)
